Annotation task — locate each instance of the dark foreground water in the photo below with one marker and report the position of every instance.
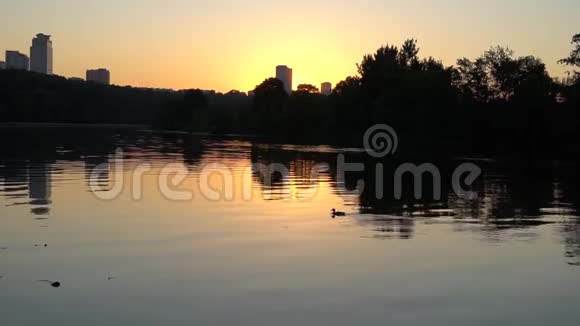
(145, 230)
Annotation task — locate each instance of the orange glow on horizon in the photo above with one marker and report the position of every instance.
(234, 44)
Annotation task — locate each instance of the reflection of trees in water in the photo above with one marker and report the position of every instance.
(193, 150)
(566, 200)
(171, 148)
(390, 216)
(160, 149)
(97, 165)
(509, 203)
(273, 181)
(389, 228)
(270, 172)
(514, 200)
(97, 171)
(283, 174)
(571, 234)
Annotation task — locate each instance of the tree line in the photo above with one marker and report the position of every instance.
(496, 102)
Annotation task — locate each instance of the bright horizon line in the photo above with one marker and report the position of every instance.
(223, 90)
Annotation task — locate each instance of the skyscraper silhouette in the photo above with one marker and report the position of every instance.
(101, 76)
(41, 54)
(326, 88)
(16, 60)
(284, 74)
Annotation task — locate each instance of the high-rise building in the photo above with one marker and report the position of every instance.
(284, 74)
(16, 60)
(41, 54)
(101, 76)
(326, 88)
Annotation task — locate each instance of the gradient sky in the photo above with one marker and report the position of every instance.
(234, 44)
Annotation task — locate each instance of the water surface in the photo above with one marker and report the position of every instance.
(512, 256)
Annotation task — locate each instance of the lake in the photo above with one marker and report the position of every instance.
(152, 229)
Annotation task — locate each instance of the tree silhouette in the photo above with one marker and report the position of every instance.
(408, 57)
(506, 98)
(194, 99)
(574, 58)
(235, 93)
(348, 87)
(498, 76)
(303, 89)
(346, 99)
(269, 100)
(473, 80)
(269, 89)
(571, 89)
(411, 94)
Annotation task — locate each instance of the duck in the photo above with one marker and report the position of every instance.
(336, 213)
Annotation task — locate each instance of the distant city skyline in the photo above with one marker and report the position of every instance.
(231, 44)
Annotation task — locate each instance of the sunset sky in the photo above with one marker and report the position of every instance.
(234, 44)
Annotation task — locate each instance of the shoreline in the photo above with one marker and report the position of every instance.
(105, 126)
(7, 125)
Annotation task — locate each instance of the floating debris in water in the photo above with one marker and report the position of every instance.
(110, 278)
(54, 284)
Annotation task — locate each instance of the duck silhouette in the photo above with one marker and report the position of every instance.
(336, 213)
